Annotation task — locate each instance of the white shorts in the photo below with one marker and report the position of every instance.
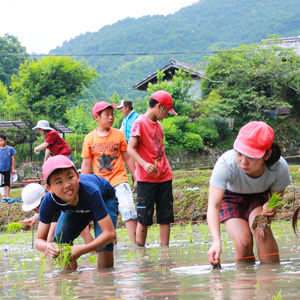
(126, 204)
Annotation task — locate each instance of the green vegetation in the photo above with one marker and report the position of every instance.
(13, 227)
(204, 26)
(64, 257)
(248, 81)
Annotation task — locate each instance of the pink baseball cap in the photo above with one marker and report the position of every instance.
(254, 139)
(165, 99)
(54, 163)
(99, 106)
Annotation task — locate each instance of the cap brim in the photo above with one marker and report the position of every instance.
(120, 106)
(250, 152)
(172, 111)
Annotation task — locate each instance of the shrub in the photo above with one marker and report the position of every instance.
(171, 132)
(192, 142)
(207, 130)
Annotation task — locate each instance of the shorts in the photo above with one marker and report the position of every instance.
(5, 178)
(70, 225)
(126, 204)
(158, 193)
(241, 205)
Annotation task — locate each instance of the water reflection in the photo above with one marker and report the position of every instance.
(180, 271)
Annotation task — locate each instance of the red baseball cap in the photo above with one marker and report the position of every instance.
(165, 99)
(254, 139)
(54, 163)
(102, 105)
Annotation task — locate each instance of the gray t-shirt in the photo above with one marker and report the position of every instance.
(228, 175)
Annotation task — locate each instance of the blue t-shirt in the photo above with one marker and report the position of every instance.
(93, 192)
(5, 158)
(127, 123)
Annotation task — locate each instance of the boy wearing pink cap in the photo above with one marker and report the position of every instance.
(80, 199)
(105, 148)
(240, 185)
(153, 171)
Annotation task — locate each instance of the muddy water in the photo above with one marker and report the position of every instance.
(179, 271)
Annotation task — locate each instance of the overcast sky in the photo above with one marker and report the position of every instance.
(42, 25)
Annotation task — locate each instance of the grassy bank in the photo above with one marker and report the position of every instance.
(185, 198)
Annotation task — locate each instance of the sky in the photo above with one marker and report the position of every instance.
(42, 25)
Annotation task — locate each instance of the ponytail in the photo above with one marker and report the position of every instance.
(275, 156)
(295, 219)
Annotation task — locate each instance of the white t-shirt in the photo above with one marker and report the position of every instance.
(227, 174)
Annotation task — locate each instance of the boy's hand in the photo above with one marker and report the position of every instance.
(52, 250)
(149, 168)
(13, 171)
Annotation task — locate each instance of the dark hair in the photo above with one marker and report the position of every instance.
(100, 112)
(276, 153)
(152, 102)
(3, 136)
(295, 219)
(56, 172)
(128, 103)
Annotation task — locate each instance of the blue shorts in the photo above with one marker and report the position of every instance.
(70, 225)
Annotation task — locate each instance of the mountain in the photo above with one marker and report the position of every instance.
(194, 31)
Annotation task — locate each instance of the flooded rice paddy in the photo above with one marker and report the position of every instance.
(180, 271)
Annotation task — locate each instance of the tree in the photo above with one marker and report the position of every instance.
(12, 56)
(246, 81)
(50, 85)
(178, 88)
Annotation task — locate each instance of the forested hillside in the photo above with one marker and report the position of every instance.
(194, 30)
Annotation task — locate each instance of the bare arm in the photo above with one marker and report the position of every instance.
(213, 219)
(133, 142)
(129, 163)
(47, 154)
(29, 223)
(41, 147)
(41, 243)
(86, 166)
(13, 162)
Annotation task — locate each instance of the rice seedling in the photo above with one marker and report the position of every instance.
(13, 227)
(93, 258)
(64, 257)
(260, 221)
(278, 296)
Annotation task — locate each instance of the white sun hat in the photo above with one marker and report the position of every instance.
(32, 195)
(43, 124)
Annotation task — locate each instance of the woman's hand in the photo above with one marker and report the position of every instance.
(269, 213)
(214, 254)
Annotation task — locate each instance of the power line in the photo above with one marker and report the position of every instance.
(146, 53)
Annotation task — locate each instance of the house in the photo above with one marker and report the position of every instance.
(169, 71)
(287, 43)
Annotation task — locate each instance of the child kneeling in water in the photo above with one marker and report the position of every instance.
(80, 200)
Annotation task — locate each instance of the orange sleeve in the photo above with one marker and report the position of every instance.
(86, 149)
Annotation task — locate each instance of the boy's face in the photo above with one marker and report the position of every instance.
(2, 142)
(64, 184)
(106, 120)
(163, 112)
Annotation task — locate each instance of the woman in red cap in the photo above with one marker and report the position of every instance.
(241, 182)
